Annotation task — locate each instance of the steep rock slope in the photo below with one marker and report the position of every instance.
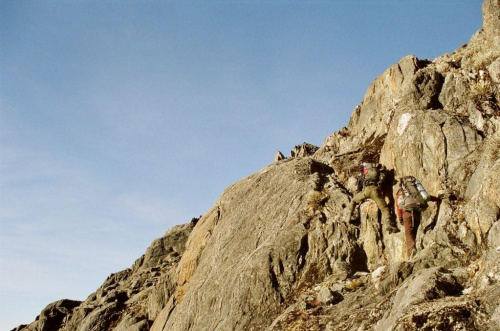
(275, 253)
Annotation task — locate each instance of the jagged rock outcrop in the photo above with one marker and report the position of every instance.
(275, 252)
(279, 156)
(52, 316)
(128, 300)
(303, 150)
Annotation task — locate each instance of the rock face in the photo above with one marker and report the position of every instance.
(491, 18)
(275, 253)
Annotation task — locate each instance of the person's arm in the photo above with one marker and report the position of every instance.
(439, 197)
(360, 183)
(433, 198)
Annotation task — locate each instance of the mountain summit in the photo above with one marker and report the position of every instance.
(275, 251)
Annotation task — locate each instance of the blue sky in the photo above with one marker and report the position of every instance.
(121, 119)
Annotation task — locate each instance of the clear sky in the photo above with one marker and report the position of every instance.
(121, 119)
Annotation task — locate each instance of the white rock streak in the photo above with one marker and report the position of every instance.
(403, 123)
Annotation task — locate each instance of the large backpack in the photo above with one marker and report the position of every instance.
(414, 196)
(371, 174)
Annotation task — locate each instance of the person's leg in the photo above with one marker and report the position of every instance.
(410, 232)
(360, 196)
(356, 199)
(388, 223)
(376, 195)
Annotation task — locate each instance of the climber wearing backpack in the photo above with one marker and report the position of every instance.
(411, 200)
(369, 182)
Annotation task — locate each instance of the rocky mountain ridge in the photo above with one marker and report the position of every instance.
(275, 252)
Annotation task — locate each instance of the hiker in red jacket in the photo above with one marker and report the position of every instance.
(411, 199)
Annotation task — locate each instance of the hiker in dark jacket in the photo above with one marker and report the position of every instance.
(371, 178)
(410, 214)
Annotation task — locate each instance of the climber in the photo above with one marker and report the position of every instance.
(369, 182)
(411, 200)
